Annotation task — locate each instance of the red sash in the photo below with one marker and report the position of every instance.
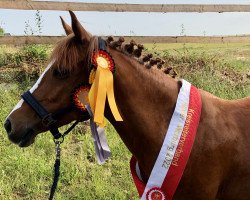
(176, 166)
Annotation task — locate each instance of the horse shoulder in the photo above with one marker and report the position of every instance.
(219, 161)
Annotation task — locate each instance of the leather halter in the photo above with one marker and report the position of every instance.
(50, 119)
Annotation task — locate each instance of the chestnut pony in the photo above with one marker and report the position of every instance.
(219, 164)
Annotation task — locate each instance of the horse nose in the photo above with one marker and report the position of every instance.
(7, 126)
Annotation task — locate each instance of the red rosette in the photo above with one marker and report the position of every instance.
(105, 55)
(80, 97)
(155, 194)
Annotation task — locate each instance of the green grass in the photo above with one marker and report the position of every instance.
(27, 173)
(217, 68)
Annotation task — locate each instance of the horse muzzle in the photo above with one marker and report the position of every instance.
(23, 138)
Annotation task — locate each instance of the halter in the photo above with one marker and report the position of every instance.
(50, 119)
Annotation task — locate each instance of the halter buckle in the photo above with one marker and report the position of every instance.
(48, 120)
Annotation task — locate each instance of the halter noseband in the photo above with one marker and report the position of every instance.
(50, 119)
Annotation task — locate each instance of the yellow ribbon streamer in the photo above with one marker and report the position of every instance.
(102, 87)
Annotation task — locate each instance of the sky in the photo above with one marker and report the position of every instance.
(136, 24)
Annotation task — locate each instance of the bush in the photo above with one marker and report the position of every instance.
(27, 54)
(14, 59)
(35, 53)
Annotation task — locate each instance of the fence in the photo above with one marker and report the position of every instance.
(21, 40)
(106, 7)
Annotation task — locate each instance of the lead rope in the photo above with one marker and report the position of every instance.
(56, 169)
(57, 164)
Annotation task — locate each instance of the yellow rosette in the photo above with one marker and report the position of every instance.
(102, 87)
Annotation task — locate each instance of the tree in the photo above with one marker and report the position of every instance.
(1, 31)
(29, 30)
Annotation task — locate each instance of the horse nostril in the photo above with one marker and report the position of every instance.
(7, 126)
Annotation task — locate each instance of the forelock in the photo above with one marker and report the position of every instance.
(68, 53)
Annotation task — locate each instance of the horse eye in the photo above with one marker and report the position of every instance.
(61, 74)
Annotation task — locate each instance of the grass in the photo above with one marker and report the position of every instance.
(222, 69)
(26, 173)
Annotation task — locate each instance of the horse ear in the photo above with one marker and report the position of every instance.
(78, 29)
(67, 28)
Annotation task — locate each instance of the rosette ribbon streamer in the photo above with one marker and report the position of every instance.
(102, 87)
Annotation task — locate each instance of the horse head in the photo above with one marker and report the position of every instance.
(67, 69)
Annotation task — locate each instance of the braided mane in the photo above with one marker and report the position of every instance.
(66, 53)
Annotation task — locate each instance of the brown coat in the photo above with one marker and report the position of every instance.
(219, 164)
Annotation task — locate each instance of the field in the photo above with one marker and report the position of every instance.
(222, 69)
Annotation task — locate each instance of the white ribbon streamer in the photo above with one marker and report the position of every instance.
(98, 134)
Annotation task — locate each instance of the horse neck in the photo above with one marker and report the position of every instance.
(146, 100)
